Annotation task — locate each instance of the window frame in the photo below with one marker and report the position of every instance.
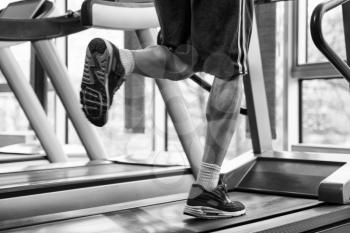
(319, 70)
(295, 73)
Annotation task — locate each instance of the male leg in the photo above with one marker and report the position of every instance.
(107, 66)
(208, 197)
(222, 52)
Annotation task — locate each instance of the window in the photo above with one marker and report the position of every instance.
(326, 111)
(332, 29)
(13, 118)
(13, 114)
(324, 97)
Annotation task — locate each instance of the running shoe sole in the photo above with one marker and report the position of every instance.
(95, 94)
(206, 212)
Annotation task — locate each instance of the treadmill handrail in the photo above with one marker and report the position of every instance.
(320, 42)
(40, 29)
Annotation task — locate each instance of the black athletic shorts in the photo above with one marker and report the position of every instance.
(210, 35)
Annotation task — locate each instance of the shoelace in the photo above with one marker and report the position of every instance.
(223, 188)
(222, 192)
(222, 185)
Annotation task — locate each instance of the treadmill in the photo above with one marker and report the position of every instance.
(60, 186)
(283, 191)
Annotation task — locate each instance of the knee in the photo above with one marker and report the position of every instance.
(159, 53)
(177, 76)
(174, 69)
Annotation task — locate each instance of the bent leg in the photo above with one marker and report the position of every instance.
(223, 109)
(159, 62)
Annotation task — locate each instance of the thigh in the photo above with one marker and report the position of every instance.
(175, 21)
(220, 33)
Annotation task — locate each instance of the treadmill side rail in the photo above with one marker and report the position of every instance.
(48, 24)
(119, 15)
(24, 210)
(336, 187)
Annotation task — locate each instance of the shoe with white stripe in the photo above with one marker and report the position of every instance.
(103, 76)
(212, 204)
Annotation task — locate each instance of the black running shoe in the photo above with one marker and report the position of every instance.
(212, 204)
(103, 75)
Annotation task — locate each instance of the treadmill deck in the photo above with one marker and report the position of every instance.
(34, 180)
(168, 217)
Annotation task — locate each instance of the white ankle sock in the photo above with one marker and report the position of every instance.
(208, 176)
(127, 60)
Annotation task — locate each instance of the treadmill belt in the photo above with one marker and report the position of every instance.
(21, 166)
(11, 158)
(33, 180)
(169, 218)
(39, 176)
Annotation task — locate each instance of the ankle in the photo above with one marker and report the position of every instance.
(127, 60)
(208, 176)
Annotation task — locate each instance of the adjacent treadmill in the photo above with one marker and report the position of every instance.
(65, 186)
(283, 191)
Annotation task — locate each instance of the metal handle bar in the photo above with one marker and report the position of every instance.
(318, 38)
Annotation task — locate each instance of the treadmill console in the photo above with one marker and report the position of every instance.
(22, 9)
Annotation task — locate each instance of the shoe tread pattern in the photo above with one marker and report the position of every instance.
(93, 95)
